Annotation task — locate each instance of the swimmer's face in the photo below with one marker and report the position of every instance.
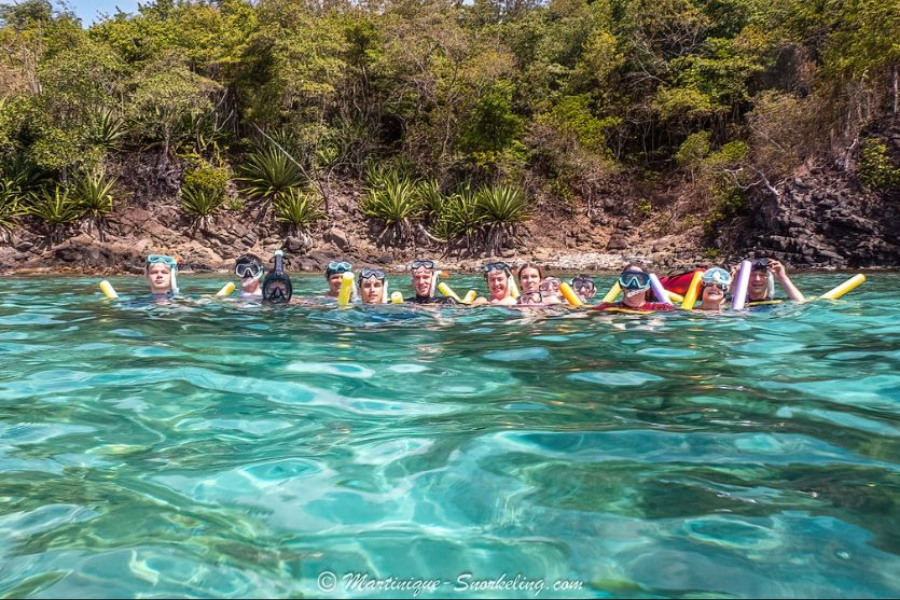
(530, 279)
(713, 294)
(497, 281)
(422, 279)
(759, 282)
(334, 283)
(160, 278)
(550, 287)
(371, 290)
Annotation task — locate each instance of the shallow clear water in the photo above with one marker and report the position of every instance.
(221, 451)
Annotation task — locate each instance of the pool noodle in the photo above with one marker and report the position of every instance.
(691, 297)
(739, 301)
(845, 288)
(659, 291)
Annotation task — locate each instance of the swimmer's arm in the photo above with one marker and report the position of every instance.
(786, 284)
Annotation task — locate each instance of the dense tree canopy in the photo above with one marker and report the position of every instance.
(486, 91)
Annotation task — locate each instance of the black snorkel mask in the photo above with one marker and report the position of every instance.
(277, 288)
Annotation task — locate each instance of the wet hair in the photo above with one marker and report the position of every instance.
(633, 266)
(529, 265)
(249, 258)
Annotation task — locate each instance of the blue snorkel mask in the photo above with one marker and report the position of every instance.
(717, 276)
(170, 262)
(634, 281)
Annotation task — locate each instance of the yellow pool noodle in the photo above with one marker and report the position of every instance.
(846, 287)
(108, 291)
(675, 298)
(397, 298)
(226, 290)
(470, 297)
(569, 294)
(449, 293)
(346, 289)
(691, 297)
(613, 293)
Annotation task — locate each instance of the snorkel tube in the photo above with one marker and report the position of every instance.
(277, 288)
(175, 279)
(739, 302)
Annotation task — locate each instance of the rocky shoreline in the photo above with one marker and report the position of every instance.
(822, 219)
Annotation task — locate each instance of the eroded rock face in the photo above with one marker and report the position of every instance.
(825, 220)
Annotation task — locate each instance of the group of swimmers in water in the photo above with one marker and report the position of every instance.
(525, 286)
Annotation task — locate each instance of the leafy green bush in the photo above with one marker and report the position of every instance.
(396, 204)
(94, 191)
(460, 219)
(298, 209)
(57, 208)
(876, 169)
(11, 206)
(268, 174)
(203, 193)
(108, 130)
(501, 207)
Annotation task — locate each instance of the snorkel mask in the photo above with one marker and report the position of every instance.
(377, 274)
(277, 288)
(337, 268)
(171, 263)
(249, 267)
(634, 282)
(717, 276)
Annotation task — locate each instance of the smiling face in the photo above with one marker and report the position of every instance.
(758, 288)
(371, 290)
(160, 278)
(422, 279)
(334, 284)
(529, 279)
(713, 297)
(498, 283)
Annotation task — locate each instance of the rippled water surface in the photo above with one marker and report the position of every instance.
(223, 451)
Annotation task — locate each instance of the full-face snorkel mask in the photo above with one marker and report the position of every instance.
(277, 288)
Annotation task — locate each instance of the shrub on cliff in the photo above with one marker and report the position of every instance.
(94, 191)
(203, 193)
(57, 209)
(298, 210)
(876, 169)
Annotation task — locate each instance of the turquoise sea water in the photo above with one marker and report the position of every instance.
(226, 451)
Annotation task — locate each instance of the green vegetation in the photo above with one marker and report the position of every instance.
(298, 210)
(203, 193)
(560, 94)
